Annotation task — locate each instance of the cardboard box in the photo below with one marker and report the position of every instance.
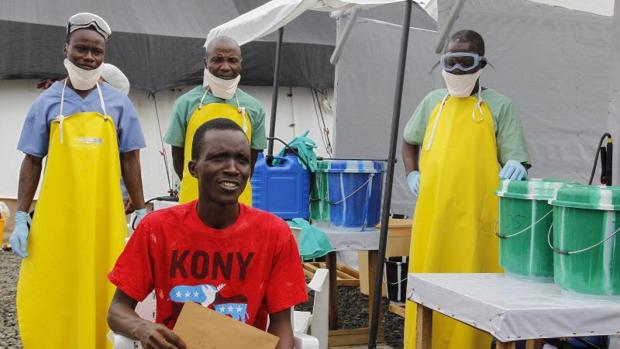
(203, 328)
(398, 241)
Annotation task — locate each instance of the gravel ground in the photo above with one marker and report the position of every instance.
(9, 269)
(353, 313)
(352, 308)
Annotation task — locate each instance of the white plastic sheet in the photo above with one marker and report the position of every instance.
(599, 7)
(512, 309)
(351, 239)
(275, 14)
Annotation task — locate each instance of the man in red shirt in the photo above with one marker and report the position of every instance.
(237, 260)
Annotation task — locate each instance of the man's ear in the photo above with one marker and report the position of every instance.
(204, 61)
(64, 50)
(192, 168)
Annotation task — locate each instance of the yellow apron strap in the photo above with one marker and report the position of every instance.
(204, 113)
(61, 115)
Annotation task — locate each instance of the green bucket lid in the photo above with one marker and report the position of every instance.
(588, 197)
(530, 189)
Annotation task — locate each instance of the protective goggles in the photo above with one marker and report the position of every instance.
(89, 20)
(464, 61)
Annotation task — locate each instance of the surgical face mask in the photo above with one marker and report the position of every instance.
(82, 79)
(460, 85)
(221, 88)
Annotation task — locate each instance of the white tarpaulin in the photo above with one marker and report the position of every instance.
(511, 309)
(275, 14)
(599, 7)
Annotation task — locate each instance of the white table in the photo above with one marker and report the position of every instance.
(351, 239)
(510, 309)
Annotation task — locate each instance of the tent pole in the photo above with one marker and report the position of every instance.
(343, 37)
(454, 15)
(387, 199)
(274, 98)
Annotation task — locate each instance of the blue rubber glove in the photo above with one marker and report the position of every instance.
(137, 217)
(413, 179)
(19, 238)
(513, 170)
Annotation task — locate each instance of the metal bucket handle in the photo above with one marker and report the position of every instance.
(567, 253)
(523, 230)
(370, 176)
(398, 282)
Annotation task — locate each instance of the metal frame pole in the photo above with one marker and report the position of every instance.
(387, 199)
(274, 98)
(343, 37)
(454, 15)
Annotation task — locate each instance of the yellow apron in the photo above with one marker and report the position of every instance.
(204, 113)
(78, 231)
(457, 210)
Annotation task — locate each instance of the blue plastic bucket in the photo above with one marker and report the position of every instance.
(282, 189)
(354, 193)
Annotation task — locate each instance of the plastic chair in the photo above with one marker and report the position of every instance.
(317, 321)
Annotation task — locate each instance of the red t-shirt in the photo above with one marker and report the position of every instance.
(246, 271)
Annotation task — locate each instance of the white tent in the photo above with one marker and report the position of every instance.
(599, 7)
(275, 14)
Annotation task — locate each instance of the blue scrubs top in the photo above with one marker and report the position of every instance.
(34, 139)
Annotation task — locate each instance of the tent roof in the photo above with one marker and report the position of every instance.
(275, 14)
(158, 44)
(598, 7)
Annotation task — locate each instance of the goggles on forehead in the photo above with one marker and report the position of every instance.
(464, 61)
(89, 20)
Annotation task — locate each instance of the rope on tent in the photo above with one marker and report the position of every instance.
(320, 117)
(161, 140)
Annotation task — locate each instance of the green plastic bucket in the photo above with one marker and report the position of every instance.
(524, 221)
(586, 241)
(319, 202)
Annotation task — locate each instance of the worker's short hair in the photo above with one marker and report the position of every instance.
(468, 35)
(199, 142)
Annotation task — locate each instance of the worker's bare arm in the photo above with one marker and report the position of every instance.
(29, 176)
(410, 156)
(178, 159)
(132, 175)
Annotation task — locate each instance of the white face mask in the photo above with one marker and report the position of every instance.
(460, 85)
(82, 79)
(222, 88)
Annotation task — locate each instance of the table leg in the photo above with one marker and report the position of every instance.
(424, 327)
(333, 290)
(373, 256)
(534, 344)
(506, 345)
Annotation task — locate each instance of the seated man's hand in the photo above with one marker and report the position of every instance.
(157, 336)
(513, 170)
